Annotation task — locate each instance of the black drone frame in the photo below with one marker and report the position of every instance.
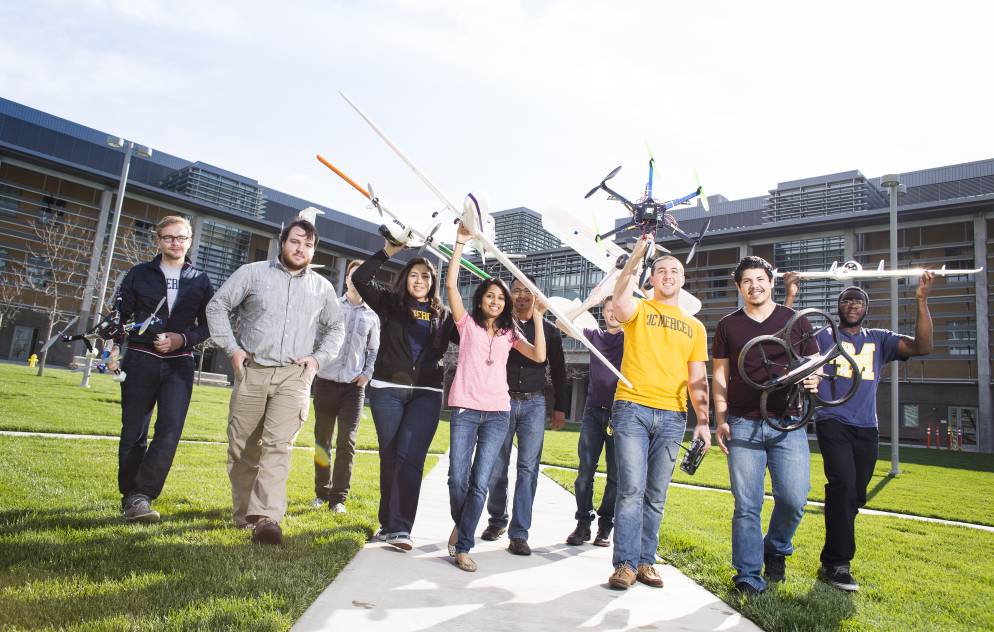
(649, 214)
(798, 367)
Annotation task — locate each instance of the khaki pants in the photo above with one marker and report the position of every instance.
(269, 405)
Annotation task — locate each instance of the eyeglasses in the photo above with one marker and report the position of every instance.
(178, 239)
(852, 301)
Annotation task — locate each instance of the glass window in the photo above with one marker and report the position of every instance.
(909, 415)
(10, 200)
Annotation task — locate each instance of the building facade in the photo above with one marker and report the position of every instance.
(945, 217)
(58, 184)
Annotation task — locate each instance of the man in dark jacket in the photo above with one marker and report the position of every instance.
(159, 364)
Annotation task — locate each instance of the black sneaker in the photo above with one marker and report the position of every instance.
(603, 537)
(746, 589)
(580, 535)
(776, 568)
(519, 547)
(492, 533)
(839, 577)
(138, 509)
(267, 531)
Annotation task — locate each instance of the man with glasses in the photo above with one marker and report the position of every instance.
(847, 434)
(159, 364)
(526, 383)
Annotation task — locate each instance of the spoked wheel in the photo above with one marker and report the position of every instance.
(798, 397)
(772, 354)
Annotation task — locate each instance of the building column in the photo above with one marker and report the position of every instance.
(340, 265)
(95, 260)
(743, 253)
(850, 247)
(985, 415)
(579, 398)
(274, 248)
(198, 226)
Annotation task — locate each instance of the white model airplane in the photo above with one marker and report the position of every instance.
(473, 216)
(603, 253)
(853, 270)
(401, 234)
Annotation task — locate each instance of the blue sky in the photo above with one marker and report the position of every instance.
(532, 101)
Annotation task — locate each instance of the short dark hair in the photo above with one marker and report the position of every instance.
(749, 263)
(606, 299)
(309, 230)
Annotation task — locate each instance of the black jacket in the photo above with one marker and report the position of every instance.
(525, 376)
(145, 285)
(394, 363)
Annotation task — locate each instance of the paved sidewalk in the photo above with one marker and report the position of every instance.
(559, 587)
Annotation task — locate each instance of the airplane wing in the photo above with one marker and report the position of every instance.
(474, 225)
(603, 253)
(846, 272)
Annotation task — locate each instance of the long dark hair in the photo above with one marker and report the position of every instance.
(403, 296)
(504, 322)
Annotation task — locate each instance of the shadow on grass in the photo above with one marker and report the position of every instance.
(879, 487)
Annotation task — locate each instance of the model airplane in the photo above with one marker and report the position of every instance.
(853, 270)
(472, 216)
(401, 234)
(605, 254)
(650, 214)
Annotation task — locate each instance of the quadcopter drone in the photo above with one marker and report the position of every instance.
(650, 215)
(786, 366)
(111, 330)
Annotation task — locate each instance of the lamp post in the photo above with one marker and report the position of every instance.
(129, 149)
(892, 182)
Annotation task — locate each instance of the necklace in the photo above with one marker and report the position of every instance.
(490, 351)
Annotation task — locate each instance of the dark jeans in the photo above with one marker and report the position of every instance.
(406, 420)
(528, 423)
(593, 439)
(341, 401)
(850, 454)
(482, 433)
(163, 382)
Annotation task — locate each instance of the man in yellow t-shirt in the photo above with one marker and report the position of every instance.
(665, 358)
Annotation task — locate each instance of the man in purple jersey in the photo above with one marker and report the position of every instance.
(595, 433)
(847, 434)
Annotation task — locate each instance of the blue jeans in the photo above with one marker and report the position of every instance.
(646, 446)
(405, 420)
(484, 432)
(754, 446)
(166, 383)
(594, 438)
(528, 423)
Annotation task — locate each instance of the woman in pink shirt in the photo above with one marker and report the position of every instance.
(478, 396)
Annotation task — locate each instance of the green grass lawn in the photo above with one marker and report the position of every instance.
(913, 575)
(56, 403)
(934, 483)
(67, 561)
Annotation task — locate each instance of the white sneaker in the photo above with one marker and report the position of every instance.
(338, 508)
(318, 503)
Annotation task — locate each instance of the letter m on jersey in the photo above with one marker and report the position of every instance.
(864, 359)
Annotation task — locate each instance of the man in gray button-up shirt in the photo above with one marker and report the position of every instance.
(339, 391)
(289, 325)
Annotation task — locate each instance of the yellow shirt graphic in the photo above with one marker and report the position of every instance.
(659, 342)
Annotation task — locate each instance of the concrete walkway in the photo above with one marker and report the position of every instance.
(559, 587)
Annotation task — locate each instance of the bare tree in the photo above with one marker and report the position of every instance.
(203, 347)
(56, 268)
(11, 288)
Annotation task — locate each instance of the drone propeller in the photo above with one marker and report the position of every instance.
(606, 178)
(700, 236)
(151, 317)
(700, 192)
(652, 164)
(372, 198)
(429, 239)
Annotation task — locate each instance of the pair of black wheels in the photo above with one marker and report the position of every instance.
(786, 366)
